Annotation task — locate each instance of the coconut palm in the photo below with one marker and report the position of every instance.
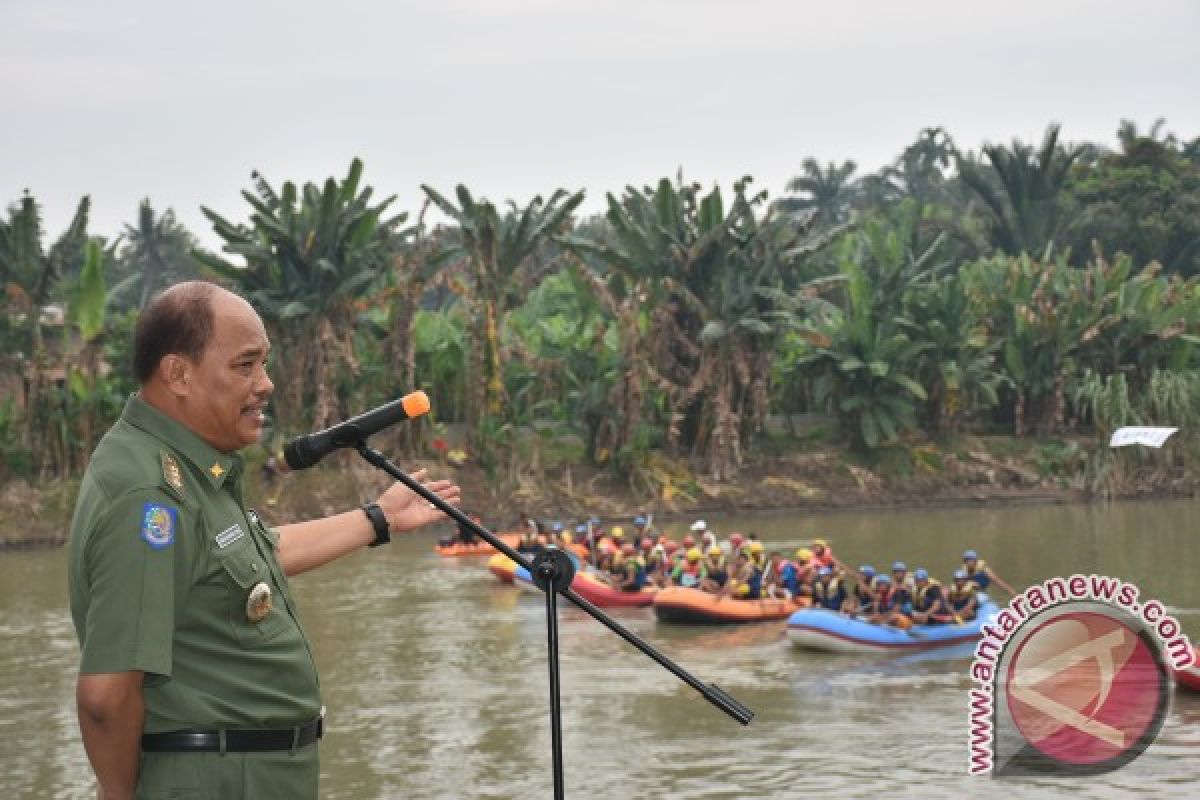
(827, 192)
(1022, 192)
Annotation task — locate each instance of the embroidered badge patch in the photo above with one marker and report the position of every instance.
(158, 525)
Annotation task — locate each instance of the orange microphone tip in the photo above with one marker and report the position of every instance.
(415, 404)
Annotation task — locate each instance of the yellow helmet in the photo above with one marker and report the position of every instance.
(804, 554)
(714, 551)
(693, 554)
(819, 543)
(756, 547)
(617, 532)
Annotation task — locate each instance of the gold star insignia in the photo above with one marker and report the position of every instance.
(217, 470)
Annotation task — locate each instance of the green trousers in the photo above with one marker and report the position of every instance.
(230, 776)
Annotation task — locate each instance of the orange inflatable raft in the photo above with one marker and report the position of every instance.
(694, 607)
(479, 548)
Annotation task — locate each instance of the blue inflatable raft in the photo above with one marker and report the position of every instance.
(833, 632)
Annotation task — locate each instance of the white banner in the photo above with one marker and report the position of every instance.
(1151, 437)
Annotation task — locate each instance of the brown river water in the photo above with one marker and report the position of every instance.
(435, 679)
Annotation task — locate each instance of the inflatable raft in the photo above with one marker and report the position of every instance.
(479, 548)
(1189, 677)
(593, 589)
(834, 632)
(694, 607)
(502, 567)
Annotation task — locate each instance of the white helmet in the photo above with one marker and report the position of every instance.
(699, 525)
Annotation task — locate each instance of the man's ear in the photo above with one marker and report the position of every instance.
(176, 373)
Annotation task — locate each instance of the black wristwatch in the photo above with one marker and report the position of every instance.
(383, 532)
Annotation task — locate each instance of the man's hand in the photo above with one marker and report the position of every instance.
(406, 511)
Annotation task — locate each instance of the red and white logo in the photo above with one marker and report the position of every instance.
(1086, 689)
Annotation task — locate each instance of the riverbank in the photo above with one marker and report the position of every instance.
(970, 471)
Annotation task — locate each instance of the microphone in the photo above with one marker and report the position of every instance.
(305, 451)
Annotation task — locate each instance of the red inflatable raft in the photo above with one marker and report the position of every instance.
(502, 567)
(694, 607)
(599, 593)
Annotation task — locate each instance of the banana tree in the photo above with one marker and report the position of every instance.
(31, 277)
(493, 249)
(709, 276)
(867, 359)
(310, 254)
(1043, 312)
(959, 369)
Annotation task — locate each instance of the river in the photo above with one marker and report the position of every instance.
(434, 674)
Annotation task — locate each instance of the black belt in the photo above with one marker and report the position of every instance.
(236, 740)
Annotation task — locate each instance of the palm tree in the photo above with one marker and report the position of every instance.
(829, 193)
(159, 252)
(494, 247)
(310, 255)
(1022, 191)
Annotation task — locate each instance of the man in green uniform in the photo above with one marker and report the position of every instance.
(196, 679)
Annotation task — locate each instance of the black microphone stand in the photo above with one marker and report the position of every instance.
(553, 572)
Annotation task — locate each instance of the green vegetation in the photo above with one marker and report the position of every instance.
(1049, 290)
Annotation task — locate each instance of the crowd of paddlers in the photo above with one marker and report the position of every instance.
(739, 566)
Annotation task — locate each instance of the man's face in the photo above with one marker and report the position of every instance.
(228, 386)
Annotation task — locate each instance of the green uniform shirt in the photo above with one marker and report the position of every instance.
(163, 556)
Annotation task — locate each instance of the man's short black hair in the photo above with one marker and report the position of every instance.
(178, 321)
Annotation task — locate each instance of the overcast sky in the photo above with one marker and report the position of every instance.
(179, 101)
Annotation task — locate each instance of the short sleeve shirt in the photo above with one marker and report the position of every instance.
(164, 559)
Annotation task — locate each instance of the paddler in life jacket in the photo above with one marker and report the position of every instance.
(465, 535)
(979, 573)
(779, 577)
(745, 582)
(860, 598)
(902, 586)
(642, 526)
(757, 552)
(960, 598)
(632, 576)
(928, 604)
(806, 572)
(884, 610)
(822, 554)
(657, 570)
(736, 541)
(689, 572)
(829, 592)
(616, 539)
(531, 541)
(716, 573)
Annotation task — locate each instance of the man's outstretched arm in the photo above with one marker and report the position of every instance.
(308, 545)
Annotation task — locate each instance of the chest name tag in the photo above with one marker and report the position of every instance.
(230, 535)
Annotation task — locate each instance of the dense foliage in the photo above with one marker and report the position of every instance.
(1025, 289)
